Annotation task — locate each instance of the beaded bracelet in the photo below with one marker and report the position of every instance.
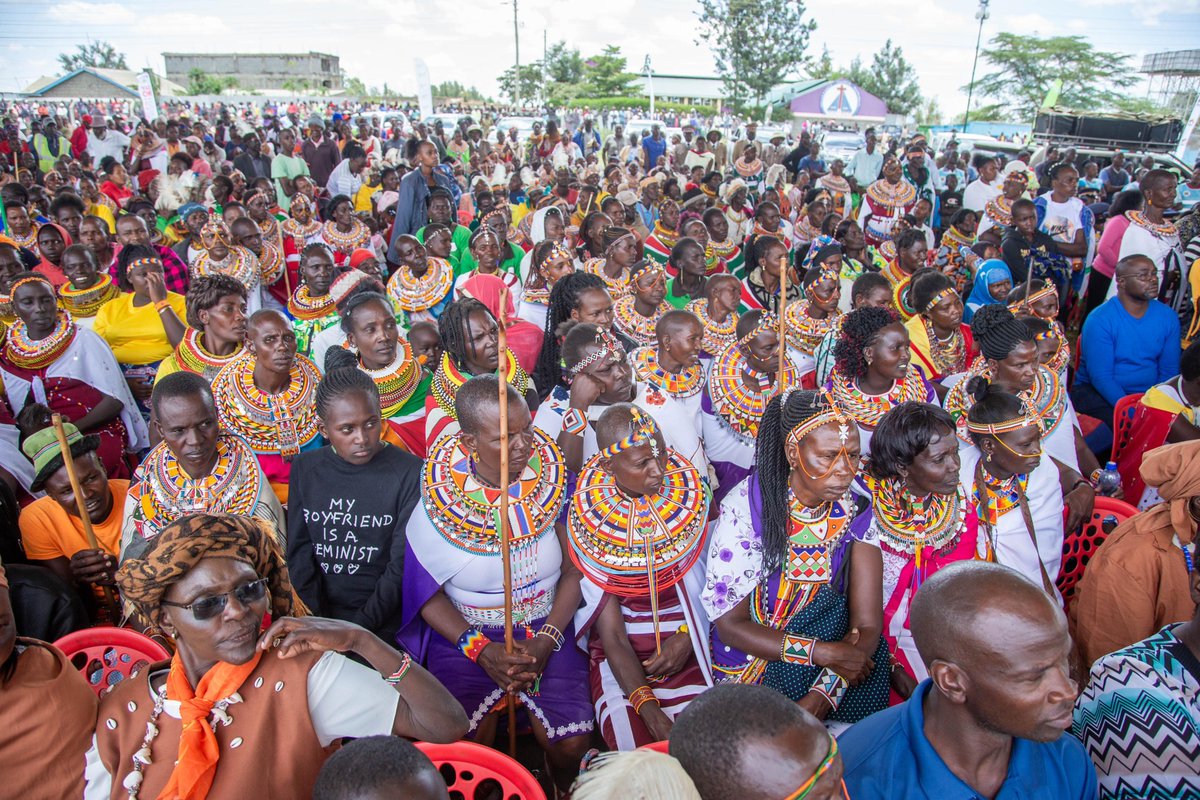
(472, 642)
(831, 686)
(574, 422)
(401, 671)
(640, 696)
(797, 649)
(161, 305)
(554, 633)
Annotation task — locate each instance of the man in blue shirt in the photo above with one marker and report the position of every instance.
(1128, 344)
(654, 147)
(812, 163)
(989, 721)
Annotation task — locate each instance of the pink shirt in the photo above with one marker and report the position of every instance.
(1108, 252)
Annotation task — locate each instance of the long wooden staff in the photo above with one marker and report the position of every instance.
(110, 597)
(783, 300)
(505, 541)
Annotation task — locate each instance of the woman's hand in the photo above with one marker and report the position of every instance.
(844, 658)
(903, 683)
(539, 648)
(585, 390)
(1079, 502)
(816, 704)
(94, 566)
(140, 387)
(676, 651)
(293, 636)
(156, 286)
(510, 671)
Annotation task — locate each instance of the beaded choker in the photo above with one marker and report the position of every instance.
(813, 534)
(717, 336)
(270, 263)
(948, 356)
(891, 196)
(629, 322)
(411, 293)
(686, 383)
(804, 332)
(303, 305)
(617, 287)
(240, 264)
(397, 381)
(1163, 230)
(26, 353)
(1000, 210)
(448, 379)
(271, 423)
(300, 232)
(85, 303)
(736, 405)
(997, 497)
(868, 409)
(192, 356)
(637, 546)
(667, 238)
(357, 236)
(726, 249)
(908, 525)
(231, 488)
(29, 241)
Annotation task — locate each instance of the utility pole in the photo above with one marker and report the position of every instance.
(981, 15)
(517, 41)
(649, 83)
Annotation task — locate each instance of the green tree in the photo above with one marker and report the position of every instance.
(456, 89)
(892, 79)
(929, 112)
(604, 75)
(531, 82)
(756, 43)
(354, 86)
(823, 68)
(563, 65)
(200, 82)
(1025, 67)
(92, 54)
(296, 85)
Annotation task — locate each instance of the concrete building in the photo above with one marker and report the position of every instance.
(95, 82)
(261, 71)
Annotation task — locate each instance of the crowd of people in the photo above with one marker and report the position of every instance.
(790, 449)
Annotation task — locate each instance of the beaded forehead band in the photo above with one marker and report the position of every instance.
(1045, 291)
(143, 262)
(831, 414)
(1007, 426)
(940, 296)
(646, 267)
(642, 430)
(622, 238)
(559, 250)
(486, 233)
(766, 322)
(26, 281)
(607, 346)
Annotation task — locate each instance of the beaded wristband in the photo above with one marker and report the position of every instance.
(797, 649)
(640, 696)
(472, 642)
(831, 686)
(401, 671)
(161, 304)
(554, 633)
(574, 422)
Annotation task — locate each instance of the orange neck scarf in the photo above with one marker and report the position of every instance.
(198, 749)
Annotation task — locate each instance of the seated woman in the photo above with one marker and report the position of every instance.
(621, 251)
(636, 314)
(809, 320)
(421, 287)
(950, 260)
(922, 518)
(311, 306)
(549, 262)
(688, 262)
(1014, 485)
(374, 345)
(579, 297)
(47, 714)
(47, 359)
(941, 344)
(524, 339)
(454, 578)
(87, 288)
(545, 225)
(910, 256)
(298, 231)
(52, 240)
(216, 333)
(239, 711)
(355, 577)
(765, 257)
(484, 247)
(344, 232)
(223, 256)
(1041, 301)
(993, 284)
(145, 323)
(636, 528)
(665, 234)
(794, 595)
(873, 370)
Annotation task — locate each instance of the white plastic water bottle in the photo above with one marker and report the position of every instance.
(1108, 482)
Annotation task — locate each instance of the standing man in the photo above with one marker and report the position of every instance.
(864, 166)
(251, 161)
(654, 147)
(102, 142)
(719, 150)
(588, 139)
(286, 166)
(412, 209)
(742, 144)
(319, 152)
(612, 147)
(812, 163)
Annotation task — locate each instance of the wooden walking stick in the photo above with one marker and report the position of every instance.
(110, 597)
(783, 300)
(505, 541)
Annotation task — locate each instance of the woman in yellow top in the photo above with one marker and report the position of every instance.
(144, 324)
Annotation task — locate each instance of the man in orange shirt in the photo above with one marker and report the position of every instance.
(51, 529)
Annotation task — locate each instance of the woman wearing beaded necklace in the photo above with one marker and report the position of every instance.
(73, 370)
(1010, 362)
(344, 232)
(794, 595)
(216, 316)
(873, 372)
(87, 289)
(764, 259)
(811, 319)
(550, 261)
(949, 258)
(311, 306)
(421, 287)
(509, 255)
(578, 297)
(636, 528)
(885, 201)
(922, 519)
(724, 246)
(485, 249)
(298, 231)
(221, 256)
(1014, 485)
(636, 314)
(621, 252)
(454, 578)
(1152, 235)
(239, 711)
(942, 345)
(666, 231)
(812, 215)
(688, 264)
(717, 311)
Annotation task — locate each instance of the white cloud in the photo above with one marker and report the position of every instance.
(76, 11)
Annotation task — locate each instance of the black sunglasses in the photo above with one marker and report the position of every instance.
(204, 608)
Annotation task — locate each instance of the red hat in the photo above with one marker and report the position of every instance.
(360, 255)
(87, 120)
(145, 177)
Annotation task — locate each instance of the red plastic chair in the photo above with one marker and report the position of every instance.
(467, 765)
(1080, 546)
(106, 656)
(658, 747)
(1123, 422)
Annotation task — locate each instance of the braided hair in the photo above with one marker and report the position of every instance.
(757, 247)
(342, 376)
(452, 327)
(992, 405)
(860, 330)
(998, 332)
(779, 418)
(564, 298)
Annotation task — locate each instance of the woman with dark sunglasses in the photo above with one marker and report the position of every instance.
(239, 712)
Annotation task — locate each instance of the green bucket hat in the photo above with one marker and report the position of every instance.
(42, 449)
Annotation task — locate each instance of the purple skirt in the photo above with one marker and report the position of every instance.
(562, 704)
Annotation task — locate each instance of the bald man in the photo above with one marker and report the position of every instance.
(743, 741)
(989, 720)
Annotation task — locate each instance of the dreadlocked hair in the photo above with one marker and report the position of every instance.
(998, 332)
(342, 377)
(779, 418)
(564, 298)
(860, 330)
(452, 327)
(992, 405)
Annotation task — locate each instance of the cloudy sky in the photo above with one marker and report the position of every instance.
(472, 41)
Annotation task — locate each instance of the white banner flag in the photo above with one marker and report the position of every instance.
(424, 90)
(146, 91)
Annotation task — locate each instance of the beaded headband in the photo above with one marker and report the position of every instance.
(12, 291)
(645, 267)
(1007, 426)
(607, 346)
(766, 322)
(1045, 336)
(1045, 291)
(940, 296)
(143, 262)
(495, 212)
(623, 237)
(485, 233)
(642, 430)
(831, 414)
